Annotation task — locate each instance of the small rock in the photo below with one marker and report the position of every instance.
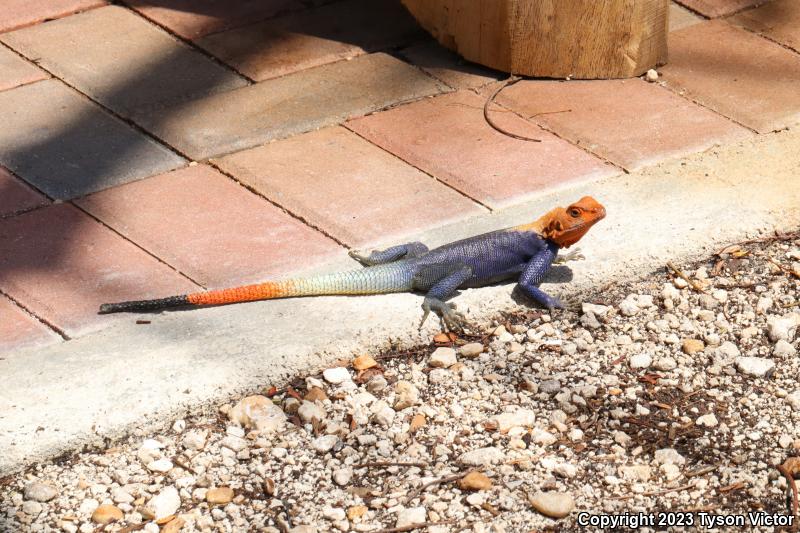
(308, 411)
(121, 495)
(550, 386)
(668, 456)
(195, 439)
(40, 492)
(410, 516)
(628, 307)
(376, 384)
(356, 511)
(236, 444)
(763, 305)
(407, 395)
(708, 420)
(258, 412)
(105, 514)
(755, 366)
(692, 346)
(160, 465)
(636, 472)
(783, 327)
(793, 400)
(651, 75)
(336, 375)
(315, 394)
(471, 350)
(163, 504)
(325, 443)
(364, 362)
(178, 426)
(475, 481)
(173, 526)
(417, 422)
(343, 476)
(519, 418)
(32, 508)
(641, 360)
(443, 357)
(552, 504)
(482, 456)
(219, 495)
(784, 349)
(333, 514)
(665, 364)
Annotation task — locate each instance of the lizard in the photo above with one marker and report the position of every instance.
(525, 252)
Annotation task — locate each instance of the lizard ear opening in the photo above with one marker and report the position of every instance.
(554, 228)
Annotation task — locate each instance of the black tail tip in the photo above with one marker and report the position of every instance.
(108, 308)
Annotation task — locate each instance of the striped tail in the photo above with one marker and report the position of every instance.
(381, 279)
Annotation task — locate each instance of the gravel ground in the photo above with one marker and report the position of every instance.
(675, 393)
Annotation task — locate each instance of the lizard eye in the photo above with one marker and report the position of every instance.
(574, 212)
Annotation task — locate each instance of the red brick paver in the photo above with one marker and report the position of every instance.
(219, 233)
(779, 20)
(448, 137)
(719, 8)
(447, 66)
(307, 39)
(293, 104)
(62, 264)
(18, 329)
(630, 122)
(17, 13)
(121, 60)
(16, 196)
(194, 18)
(680, 17)
(736, 73)
(15, 71)
(353, 190)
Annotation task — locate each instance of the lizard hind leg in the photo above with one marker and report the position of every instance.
(381, 257)
(441, 284)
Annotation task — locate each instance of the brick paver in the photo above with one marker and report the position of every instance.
(447, 66)
(310, 38)
(680, 17)
(121, 60)
(736, 73)
(448, 137)
(630, 122)
(61, 264)
(719, 8)
(779, 20)
(218, 234)
(194, 18)
(66, 146)
(16, 196)
(17, 13)
(18, 329)
(286, 106)
(350, 188)
(15, 71)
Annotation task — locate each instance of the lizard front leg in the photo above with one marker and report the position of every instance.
(380, 257)
(534, 274)
(441, 287)
(573, 255)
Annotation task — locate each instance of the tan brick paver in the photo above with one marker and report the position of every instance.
(61, 264)
(719, 8)
(218, 233)
(779, 20)
(448, 137)
(15, 71)
(355, 191)
(18, 13)
(736, 73)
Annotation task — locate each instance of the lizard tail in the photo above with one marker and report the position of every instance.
(372, 280)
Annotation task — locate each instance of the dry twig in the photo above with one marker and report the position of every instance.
(413, 494)
(678, 272)
(372, 464)
(654, 492)
(412, 527)
(511, 80)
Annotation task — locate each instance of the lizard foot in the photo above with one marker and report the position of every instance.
(572, 255)
(451, 319)
(361, 257)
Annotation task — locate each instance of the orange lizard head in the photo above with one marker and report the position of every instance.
(566, 225)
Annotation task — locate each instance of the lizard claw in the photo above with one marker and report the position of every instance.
(451, 319)
(360, 256)
(572, 255)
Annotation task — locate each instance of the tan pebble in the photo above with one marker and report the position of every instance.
(552, 504)
(613, 391)
(82, 483)
(441, 338)
(269, 487)
(692, 346)
(315, 394)
(219, 495)
(364, 362)
(165, 520)
(475, 481)
(458, 367)
(417, 422)
(356, 511)
(105, 514)
(174, 525)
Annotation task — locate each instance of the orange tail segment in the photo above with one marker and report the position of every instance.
(247, 293)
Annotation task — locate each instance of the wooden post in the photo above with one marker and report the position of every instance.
(551, 38)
